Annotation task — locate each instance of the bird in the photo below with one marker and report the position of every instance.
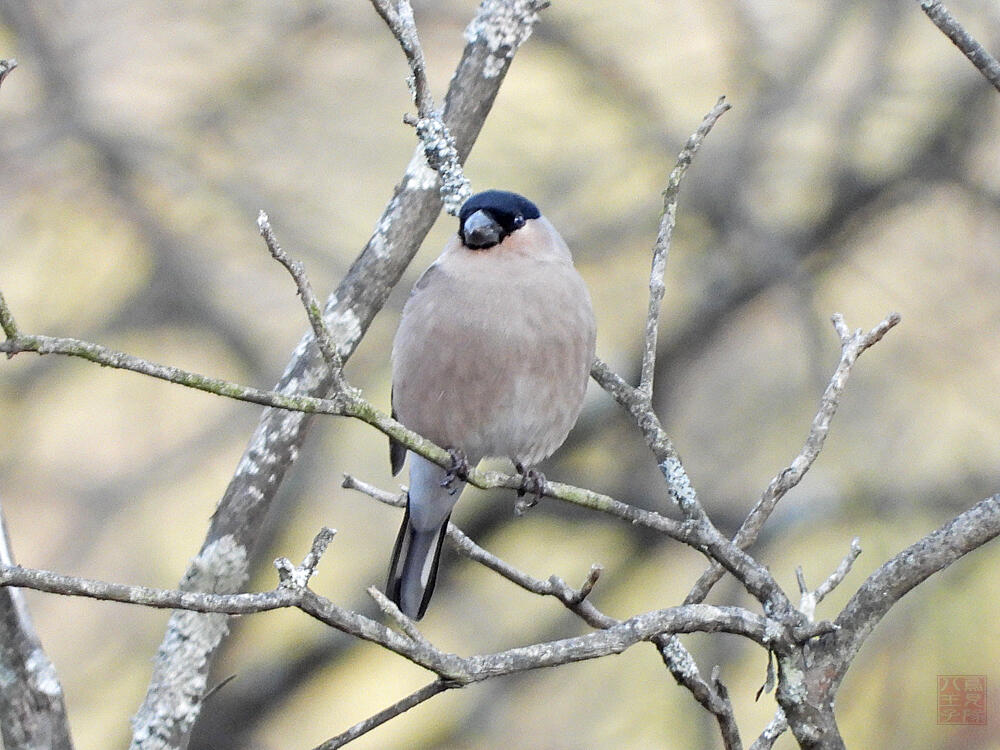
(491, 359)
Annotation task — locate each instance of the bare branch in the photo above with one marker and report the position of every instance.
(638, 400)
(698, 530)
(398, 16)
(774, 729)
(893, 580)
(667, 457)
(662, 247)
(676, 657)
(413, 699)
(347, 403)
(837, 577)
(810, 678)
(106, 357)
(193, 601)
(389, 608)
(977, 54)
(324, 340)
(810, 599)
(299, 576)
(852, 346)
(613, 640)
(438, 144)
(713, 696)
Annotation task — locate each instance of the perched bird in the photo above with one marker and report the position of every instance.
(491, 358)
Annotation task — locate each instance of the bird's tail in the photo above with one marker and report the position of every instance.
(414, 566)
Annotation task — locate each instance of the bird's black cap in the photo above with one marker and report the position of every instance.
(508, 212)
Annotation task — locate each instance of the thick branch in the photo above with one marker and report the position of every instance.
(32, 711)
(915, 564)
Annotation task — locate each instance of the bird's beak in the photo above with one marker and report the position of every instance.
(480, 230)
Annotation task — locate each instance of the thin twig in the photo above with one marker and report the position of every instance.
(300, 575)
(389, 609)
(977, 54)
(668, 459)
(348, 404)
(662, 247)
(853, 344)
(363, 727)
(314, 311)
(439, 146)
(713, 696)
(777, 726)
(837, 576)
(106, 357)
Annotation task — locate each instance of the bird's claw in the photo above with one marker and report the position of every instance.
(458, 469)
(532, 483)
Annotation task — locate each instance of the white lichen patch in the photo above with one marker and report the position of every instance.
(180, 673)
(42, 674)
(419, 175)
(220, 567)
(345, 328)
(503, 26)
(679, 484)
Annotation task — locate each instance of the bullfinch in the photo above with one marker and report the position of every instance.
(491, 358)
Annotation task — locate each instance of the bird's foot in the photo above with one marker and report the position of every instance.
(532, 486)
(458, 469)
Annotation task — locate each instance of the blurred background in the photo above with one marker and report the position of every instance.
(858, 172)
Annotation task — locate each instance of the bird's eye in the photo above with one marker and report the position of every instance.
(518, 222)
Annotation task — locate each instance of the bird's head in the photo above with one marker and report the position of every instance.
(488, 217)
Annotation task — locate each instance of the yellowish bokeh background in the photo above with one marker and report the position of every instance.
(858, 172)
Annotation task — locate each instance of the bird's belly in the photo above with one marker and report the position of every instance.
(512, 392)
